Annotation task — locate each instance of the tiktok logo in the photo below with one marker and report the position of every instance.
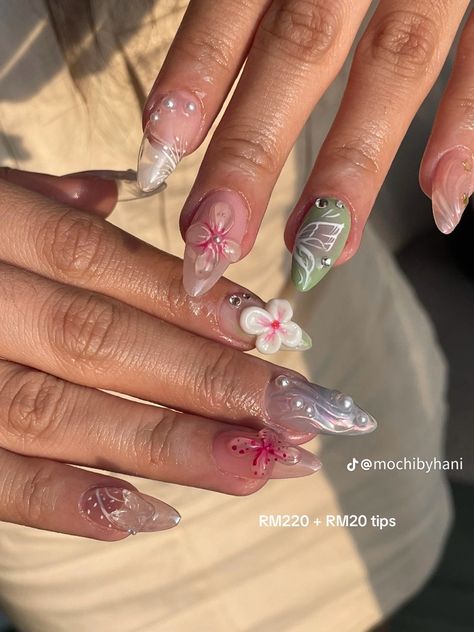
(351, 466)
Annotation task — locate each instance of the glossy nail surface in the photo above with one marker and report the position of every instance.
(261, 455)
(296, 406)
(453, 183)
(273, 327)
(127, 510)
(172, 128)
(319, 242)
(213, 240)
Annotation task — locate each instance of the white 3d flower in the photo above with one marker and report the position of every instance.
(274, 328)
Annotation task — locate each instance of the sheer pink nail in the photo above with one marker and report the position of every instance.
(171, 131)
(213, 240)
(453, 183)
(261, 455)
(127, 510)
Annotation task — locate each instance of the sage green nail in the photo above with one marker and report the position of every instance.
(319, 242)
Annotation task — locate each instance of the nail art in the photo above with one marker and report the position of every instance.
(261, 455)
(453, 183)
(273, 327)
(126, 181)
(127, 510)
(319, 241)
(171, 130)
(213, 240)
(296, 406)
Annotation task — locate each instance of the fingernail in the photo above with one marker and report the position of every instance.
(273, 327)
(125, 181)
(261, 454)
(213, 240)
(170, 133)
(127, 510)
(453, 183)
(296, 406)
(319, 241)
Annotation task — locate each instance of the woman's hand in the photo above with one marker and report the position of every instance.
(293, 50)
(85, 307)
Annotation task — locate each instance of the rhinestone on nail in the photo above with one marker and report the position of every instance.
(339, 204)
(326, 261)
(235, 300)
(321, 202)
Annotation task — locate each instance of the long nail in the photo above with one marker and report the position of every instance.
(125, 181)
(127, 510)
(171, 131)
(453, 183)
(295, 406)
(213, 240)
(261, 455)
(319, 241)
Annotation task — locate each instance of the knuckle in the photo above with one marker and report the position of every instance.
(465, 106)
(35, 405)
(75, 244)
(173, 296)
(362, 152)
(85, 328)
(255, 152)
(305, 30)
(214, 381)
(35, 499)
(210, 50)
(164, 440)
(404, 41)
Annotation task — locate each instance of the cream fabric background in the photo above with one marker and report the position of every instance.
(218, 570)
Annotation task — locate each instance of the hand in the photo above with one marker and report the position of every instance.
(86, 307)
(293, 50)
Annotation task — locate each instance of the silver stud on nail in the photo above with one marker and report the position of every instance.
(339, 204)
(246, 296)
(235, 300)
(282, 381)
(321, 202)
(326, 261)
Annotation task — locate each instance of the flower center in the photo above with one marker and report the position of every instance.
(276, 324)
(217, 239)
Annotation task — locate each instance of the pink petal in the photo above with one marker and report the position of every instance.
(198, 235)
(291, 334)
(255, 320)
(261, 463)
(286, 454)
(222, 217)
(268, 342)
(241, 446)
(231, 250)
(280, 309)
(205, 262)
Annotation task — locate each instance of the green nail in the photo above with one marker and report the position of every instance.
(319, 242)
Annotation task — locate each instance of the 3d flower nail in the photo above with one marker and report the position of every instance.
(319, 241)
(273, 327)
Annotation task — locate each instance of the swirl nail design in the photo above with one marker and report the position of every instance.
(273, 327)
(319, 241)
(297, 406)
(171, 130)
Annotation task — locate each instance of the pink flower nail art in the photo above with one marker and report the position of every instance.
(210, 242)
(213, 240)
(273, 327)
(266, 449)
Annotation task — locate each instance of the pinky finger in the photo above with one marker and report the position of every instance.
(447, 172)
(56, 497)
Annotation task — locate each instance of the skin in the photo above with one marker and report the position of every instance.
(70, 325)
(396, 62)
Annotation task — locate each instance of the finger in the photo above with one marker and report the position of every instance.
(203, 61)
(447, 173)
(297, 51)
(395, 65)
(97, 195)
(55, 497)
(98, 342)
(43, 416)
(78, 248)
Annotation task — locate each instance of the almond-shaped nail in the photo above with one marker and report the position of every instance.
(453, 183)
(297, 407)
(127, 510)
(262, 454)
(171, 132)
(319, 241)
(214, 240)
